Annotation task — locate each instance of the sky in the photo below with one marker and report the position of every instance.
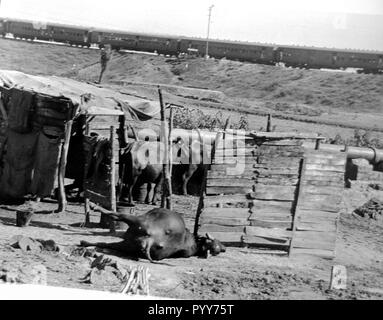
(356, 24)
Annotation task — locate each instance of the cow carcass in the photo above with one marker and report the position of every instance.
(160, 234)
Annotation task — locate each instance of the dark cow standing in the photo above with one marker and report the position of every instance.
(136, 167)
(160, 234)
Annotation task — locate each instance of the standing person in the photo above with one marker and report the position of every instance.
(105, 57)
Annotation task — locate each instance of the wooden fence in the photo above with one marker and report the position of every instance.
(271, 194)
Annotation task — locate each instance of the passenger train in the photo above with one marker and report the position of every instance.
(290, 56)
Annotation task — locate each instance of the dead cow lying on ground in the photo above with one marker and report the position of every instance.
(160, 234)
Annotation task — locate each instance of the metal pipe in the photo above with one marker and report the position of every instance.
(371, 154)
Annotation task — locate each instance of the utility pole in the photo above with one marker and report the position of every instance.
(208, 32)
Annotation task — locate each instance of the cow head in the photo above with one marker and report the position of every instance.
(157, 234)
(208, 245)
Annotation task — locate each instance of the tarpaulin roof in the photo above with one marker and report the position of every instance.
(91, 99)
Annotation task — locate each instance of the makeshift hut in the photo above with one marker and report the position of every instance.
(39, 115)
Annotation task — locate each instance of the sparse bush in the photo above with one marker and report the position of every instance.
(190, 119)
(361, 138)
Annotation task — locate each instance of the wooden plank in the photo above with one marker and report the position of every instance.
(233, 151)
(230, 182)
(226, 199)
(279, 153)
(320, 226)
(270, 195)
(325, 174)
(227, 190)
(326, 254)
(286, 224)
(324, 167)
(234, 170)
(319, 206)
(276, 149)
(266, 175)
(327, 161)
(219, 175)
(277, 216)
(325, 155)
(207, 228)
(227, 237)
(233, 160)
(279, 161)
(274, 233)
(322, 198)
(285, 142)
(271, 206)
(234, 222)
(318, 190)
(227, 212)
(322, 183)
(316, 215)
(314, 240)
(280, 180)
(259, 242)
(263, 192)
(264, 171)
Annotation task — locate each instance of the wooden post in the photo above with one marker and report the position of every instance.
(62, 167)
(201, 203)
(227, 125)
(113, 204)
(106, 221)
(269, 119)
(166, 196)
(86, 200)
(297, 202)
(170, 144)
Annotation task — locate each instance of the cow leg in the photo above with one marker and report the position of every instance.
(157, 190)
(124, 196)
(148, 191)
(122, 246)
(186, 177)
(127, 192)
(130, 189)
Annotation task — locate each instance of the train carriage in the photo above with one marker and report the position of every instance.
(366, 61)
(70, 35)
(193, 45)
(117, 40)
(3, 27)
(25, 29)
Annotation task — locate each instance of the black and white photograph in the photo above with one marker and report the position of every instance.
(203, 151)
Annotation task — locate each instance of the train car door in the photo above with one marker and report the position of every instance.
(380, 62)
(86, 36)
(100, 37)
(334, 59)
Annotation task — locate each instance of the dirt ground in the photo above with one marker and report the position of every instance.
(240, 273)
(329, 103)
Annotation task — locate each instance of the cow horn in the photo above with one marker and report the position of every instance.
(147, 250)
(134, 133)
(209, 237)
